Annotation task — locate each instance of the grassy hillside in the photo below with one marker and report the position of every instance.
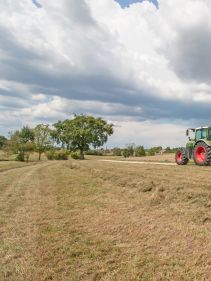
(92, 220)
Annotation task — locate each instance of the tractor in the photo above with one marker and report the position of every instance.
(197, 148)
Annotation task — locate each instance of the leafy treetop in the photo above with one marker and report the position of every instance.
(81, 132)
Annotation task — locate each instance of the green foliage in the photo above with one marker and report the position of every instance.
(3, 141)
(81, 132)
(170, 150)
(42, 138)
(53, 154)
(130, 149)
(62, 154)
(25, 135)
(125, 153)
(21, 143)
(153, 150)
(50, 154)
(75, 155)
(117, 151)
(20, 157)
(94, 152)
(61, 134)
(140, 151)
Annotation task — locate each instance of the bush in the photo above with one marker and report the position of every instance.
(125, 153)
(75, 155)
(140, 151)
(57, 154)
(50, 154)
(62, 154)
(170, 150)
(153, 150)
(20, 157)
(3, 141)
(94, 152)
(130, 149)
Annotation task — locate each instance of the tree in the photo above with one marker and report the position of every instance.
(22, 143)
(26, 135)
(81, 132)
(130, 148)
(62, 134)
(3, 141)
(125, 153)
(42, 138)
(140, 151)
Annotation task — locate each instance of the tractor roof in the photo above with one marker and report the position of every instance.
(202, 127)
(206, 127)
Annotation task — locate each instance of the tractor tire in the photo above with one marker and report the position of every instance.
(181, 157)
(202, 154)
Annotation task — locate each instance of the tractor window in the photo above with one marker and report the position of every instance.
(209, 134)
(198, 135)
(203, 134)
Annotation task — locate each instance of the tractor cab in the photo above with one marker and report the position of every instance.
(197, 148)
(190, 133)
(203, 133)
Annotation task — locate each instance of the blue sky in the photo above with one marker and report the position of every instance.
(36, 3)
(126, 3)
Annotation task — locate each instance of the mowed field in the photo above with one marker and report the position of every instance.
(93, 220)
(166, 158)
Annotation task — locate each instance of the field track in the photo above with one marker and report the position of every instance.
(9, 168)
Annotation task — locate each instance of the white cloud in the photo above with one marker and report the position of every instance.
(148, 133)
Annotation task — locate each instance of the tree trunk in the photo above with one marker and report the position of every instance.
(40, 156)
(81, 154)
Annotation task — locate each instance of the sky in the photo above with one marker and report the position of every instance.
(36, 3)
(127, 3)
(146, 70)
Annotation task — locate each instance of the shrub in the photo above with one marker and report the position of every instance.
(3, 141)
(125, 153)
(130, 149)
(75, 155)
(50, 154)
(20, 157)
(62, 154)
(153, 150)
(170, 150)
(57, 154)
(94, 152)
(140, 151)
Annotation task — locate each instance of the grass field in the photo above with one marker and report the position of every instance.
(91, 220)
(158, 158)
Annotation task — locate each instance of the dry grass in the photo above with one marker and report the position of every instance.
(158, 158)
(8, 165)
(89, 220)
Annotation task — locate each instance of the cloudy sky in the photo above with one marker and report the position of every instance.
(143, 65)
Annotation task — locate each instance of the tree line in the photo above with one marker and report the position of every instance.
(76, 135)
(83, 134)
(139, 151)
(131, 151)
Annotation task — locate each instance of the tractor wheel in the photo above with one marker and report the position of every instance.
(202, 154)
(181, 157)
